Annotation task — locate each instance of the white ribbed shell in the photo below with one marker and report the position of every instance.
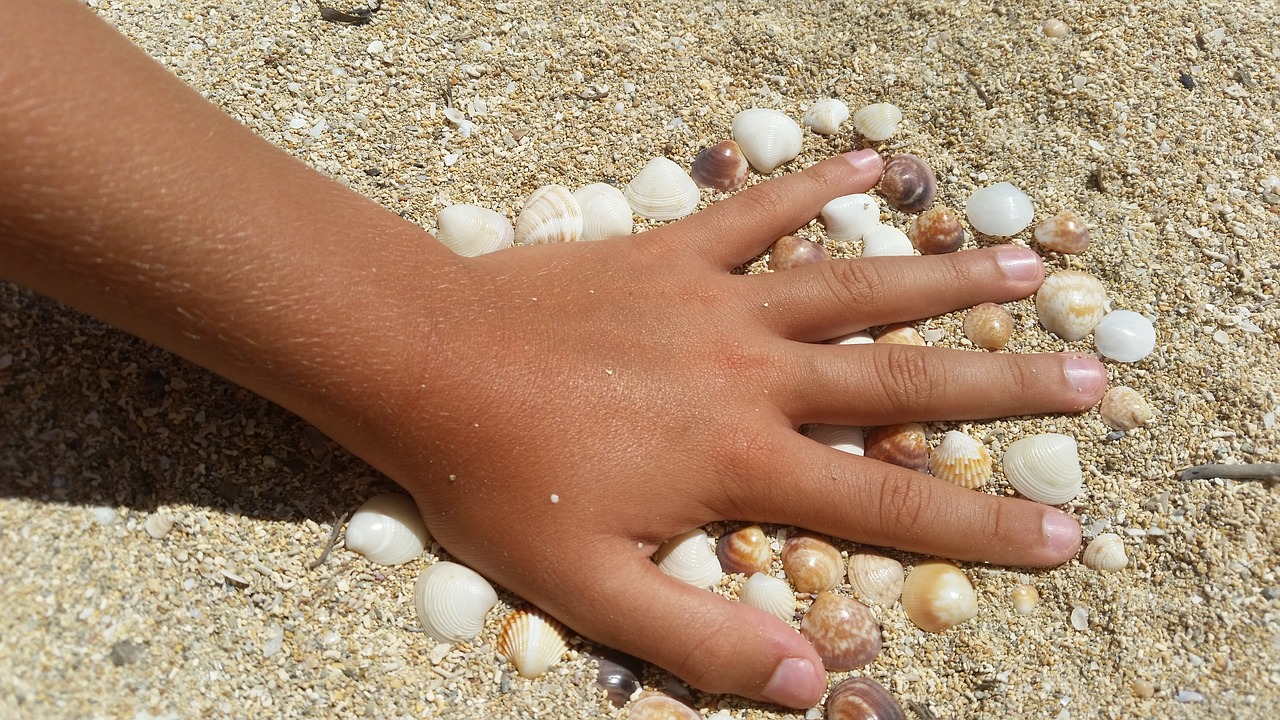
(1045, 468)
(452, 601)
(844, 438)
(1071, 303)
(605, 212)
(662, 191)
(825, 116)
(878, 121)
(770, 594)
(886, 241)
(768, 138)
(551, 214)
(1105, 553)
(532, 641)
(875, 579)
(1001, 210)
(387, 529)
(850, 216)
(470, 230)
(688, 557)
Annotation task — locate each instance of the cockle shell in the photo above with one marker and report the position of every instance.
(532, 641)
(825, 116)
(875, 579)
(550, 214)
(1065, 232)
(989, 326)
(811, 563)
(770, 594)
(844, 438)
(387, 529)
(662, 191)
(936, 231)
(938, 596)
(850, 216)
(878, 121)
(746, 550)
(1105, 553)
(861, 698)
(1124, 336)
(660, 707)
(767, 137)
(688, 557)
(904, 445)
(1045, 468)
(1070, 303)
(908, 183)
(789, 252)
(842, 630)
(886, 241)
(1000, 210)
(1025, 598)
(1123, 408)
(900, 334)
(469, 230)
(721, 167)
(961, 460)
(605, 212)
(452, 601)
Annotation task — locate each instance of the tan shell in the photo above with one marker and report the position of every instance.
(656, 706)
(875, 579)
(938, 596)
(662, 191)
(1123, 408)
(1071, 303)
(688, 557)
(789, 252)
(861, 698)
(745, 551)
(904, 445)
(843, 632)
(989, 326)
(551, 214)
(1054, 28)
(811, 563)
(1065, 232)
(936, 231)
(900, 334)
(1025, 599)
(722, 167)
(1105, 553)
(532, 641)
(877, 122)
(770, 594)
(961, 460)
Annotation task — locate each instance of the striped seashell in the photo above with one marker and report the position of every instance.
(768, 138)
(770, 594)
(989, 326)
(688, 557)
(1045, 468)
(746, 550)
(1071, 303)
(551, 214)
(469, 230)
(1065, 232)
(1123, 408)
(904, 445)
(844, 438)
(387, 529)
(875, 579)
(721, 167)
(843, 632)
(861, 698)
(886, 241)
(1105, 553)
(452, 601)
(532, 641)
(662, 191)
(937, 596)
(811, 563)
(878, 121)
(605, 212)
(825, 116)
(936, 231)
(961, 460)
(848, 217)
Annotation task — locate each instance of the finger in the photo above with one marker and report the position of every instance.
(818, 302)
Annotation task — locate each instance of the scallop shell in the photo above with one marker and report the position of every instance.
(452, 601)
(388, 529)
(660, 707)
(1064, 233)
(746, 550)
(721, 167)
(886, 241)
(878, 121)
(688, 557)
(1070, 303)
(825, 116)
(875, 579)
(989, 326)
(961, 460)
(844, 438)
(850, 216)
(770, 594)
(861, 698)
(1054, 28)
(1044, 468)
(1025, 599)
(550, 214)
(605, 212)
(469, 230)
(938, 596)
(767, 137)
(908, 183)
(843, 632)
(900, 334)
(1105, 553)
(789, 252)
(1124, 336)
(1123, 408)
(811, 563)
(1000, 210)
(936, 231)
(532, 641)
(662, 191)
(904, 445)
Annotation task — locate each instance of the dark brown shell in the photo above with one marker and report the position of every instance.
(618, 675)
(789, 251)
(721, 166)
(860, 698)
(843, 632)
(908, 183)
(937, 231)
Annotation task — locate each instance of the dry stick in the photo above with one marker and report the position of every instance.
(333, 539)
(1252, 471)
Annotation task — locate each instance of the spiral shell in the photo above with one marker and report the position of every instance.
(904, 445)
(1105, 553)
(662, 191)
(937, 596)
(1065, 232)
(878, 121)
(452, 601)
(1025, 599)
(811, 563)
(989, 326)
(469, 230)
(1124, 336)
(605, 212)
(961, 460)
(768, 138)
(1000, 210)
(1071, 303)
(721, 167)
(1123, 408)
(900, 334)
(746, 550)
(688, 558)
(789, 252)
(532, 641)
(825, 116)
(844, 438)
(908, 183)
(842, 630)
(875, 579)
(1045, 468)
(660, 707)
(936, 231)
(886, 241)
(850, 216)
(770, 594)
(388, 529)
(861, 698)
(550, 214)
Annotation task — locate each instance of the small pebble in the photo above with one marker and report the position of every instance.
(1080, 618)
(104, 515)
(1188, 696)
(127, 652)
(1271, 593)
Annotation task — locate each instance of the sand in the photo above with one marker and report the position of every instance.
(1156, 121)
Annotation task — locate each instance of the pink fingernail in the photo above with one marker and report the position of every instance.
(1087, 376)
(866, 160)
(1061, 532)
(1018, 263)
(795, 684)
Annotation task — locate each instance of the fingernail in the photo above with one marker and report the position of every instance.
(1085, 375)
(1061, 532)
(1019, 263)
(867, 160)
(795, 684)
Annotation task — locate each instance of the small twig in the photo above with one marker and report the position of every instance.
(921, 710)
(333, 539)
(1248, 471)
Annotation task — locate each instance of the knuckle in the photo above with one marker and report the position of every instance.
(904, 374)
(854, 284)
(904, 504)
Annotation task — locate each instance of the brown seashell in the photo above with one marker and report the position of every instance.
(789, 251)
(1065, 232)
(657, 706)
(1071, 303)
(961, 460)
(745, 551)
(904, 445)
(908, 183)
(1123, 408)
(842, 630)
(938, 596)
(989, 326)
(861, 698)
(875, 579)
(721, 166)
(1025, 598)
(811, 563)
(937, 231)
(532, 641)
(900, 334)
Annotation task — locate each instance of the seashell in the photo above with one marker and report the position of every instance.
(1044, 468)
(908, 183)
(850, 216)
(768, 138)
(886, 241)
(660, 707)
(1105, 553)
(550, 214)
(789, 252)
(900, 334)
(1080, 618)
(688, 557)
(961, 460)
(842, 630)
(469, 230)
(662, 191)
(618, 674)
(861, 698)
(825, 116)
(989, 326)
(1070, 303)
(862, 337)
(1001, 210)
(158, 524)
(938, 596)
(1054, 28)
(605, 212)
(388, 529)
(1124, 336)
(904, 445)
(746, 550)
(452, 601)
(721, 167)
(1123, 408)
(877, 122)
(532, 641)
(811, 563)
(770, 594)
(1064, 233)
(936, 231)
(875, 579)
(1025, 599)
(844, 438)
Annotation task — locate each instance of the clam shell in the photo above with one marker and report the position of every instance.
(1044, 468)
(768, 138)
(861, 698)
(844, 438)
(936, 231)
(878, 121)
(862, 337)
(908, 183)
(1070, 303)
(1025, 599)
(720, 167)
(688, 557)
(1124, 336)
(387, 529)
(904, 445)
(937, 596)
(452, 601)
(550, 214)
(1065, 232)
(961, 460)
(789, 252)
(1123, 408)
(532, 641)
(875, 579)
(1105, 553)
(843, 632)
(989, 326)
(900, 334)
(811, 563)
(825, 116)
(770, 594)
(605, 212)
(1000, 210)
(746, 550)
(886, 241)
(469, 230)
(660, 707)
(662, 191)
(850, 216)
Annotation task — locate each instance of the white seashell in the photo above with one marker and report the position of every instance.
(768, 138)
(1105, 553)
(452, 601)
(878, 122)
(1045, 468)
(662, 191)
(1070, 304)
(469, 230)
(158, 524)
(886, 241)
(862, 337)
(962, 460)
(1001, 210)
(532, 641)
(1125, 336)
(388, 529)
(770, 594)
(825, 116)
(688, 557)
(841, 437)
(550, 214)
(875, 579)
(850, 216)
(605, 212)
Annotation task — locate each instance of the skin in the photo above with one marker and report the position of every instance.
(636, 380)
